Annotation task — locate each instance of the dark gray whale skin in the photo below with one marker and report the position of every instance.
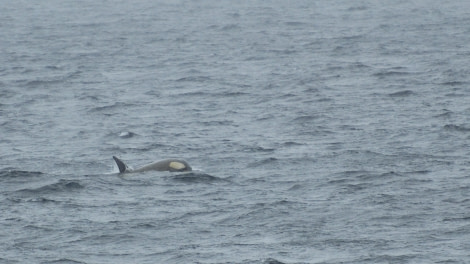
(173, 165)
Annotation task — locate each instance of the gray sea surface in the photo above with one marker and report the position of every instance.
(318, 131)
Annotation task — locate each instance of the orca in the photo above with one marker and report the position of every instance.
(173, 165)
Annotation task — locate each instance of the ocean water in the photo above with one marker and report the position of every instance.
(318, 131)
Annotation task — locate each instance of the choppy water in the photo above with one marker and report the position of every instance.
(320, 131)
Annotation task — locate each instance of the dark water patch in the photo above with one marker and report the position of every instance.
(9, 261)
(230, 27)
(457, 200)
(353, 243)
(146, 226)
(255, 149)
(354, 187)
(445, 114)
(292, 144)
(355, 67)
(289, 97)
(464, 219)
(357, 8)
(455, 95)
(255, 58)
(281, 52)
(404, 93)
(335, 146)
(297, 187)
(53, 67)
(42, 83)
(393, 72)
(149, 147)
(306, 119)
(230, 94)
(111, 109)
(456, 128)
(377, 258)
(6, 93)
(272, 261)
(418, 172)
(265, 118)
(379, 176)
(413, 182)
(295, 24)
(193, 94)
(87, 97)
(383, 199)
(154, 93)
(263, 162)
(349, 174)
(453, 83)
(350, 182)
(99, 238)
(264, 212)
(196, 79)
(218, 123)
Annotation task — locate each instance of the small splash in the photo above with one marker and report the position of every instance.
(127, 134)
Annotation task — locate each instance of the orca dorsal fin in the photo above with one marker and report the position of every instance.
(121, 165)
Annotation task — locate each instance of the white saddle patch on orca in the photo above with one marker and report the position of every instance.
(162, 165)
(177, 165)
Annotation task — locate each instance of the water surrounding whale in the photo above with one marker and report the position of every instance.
(173, 165)
(311, 128)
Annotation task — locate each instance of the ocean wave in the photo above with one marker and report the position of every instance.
(60, 186)
(254, 149)
(389, 73)
(457, 128)
(404, 93)
(194, 79)
(110, 108)
(272, 261)
(66, 261)
(40, 200)
(11, 173)
(263, 162)
(196, 177)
